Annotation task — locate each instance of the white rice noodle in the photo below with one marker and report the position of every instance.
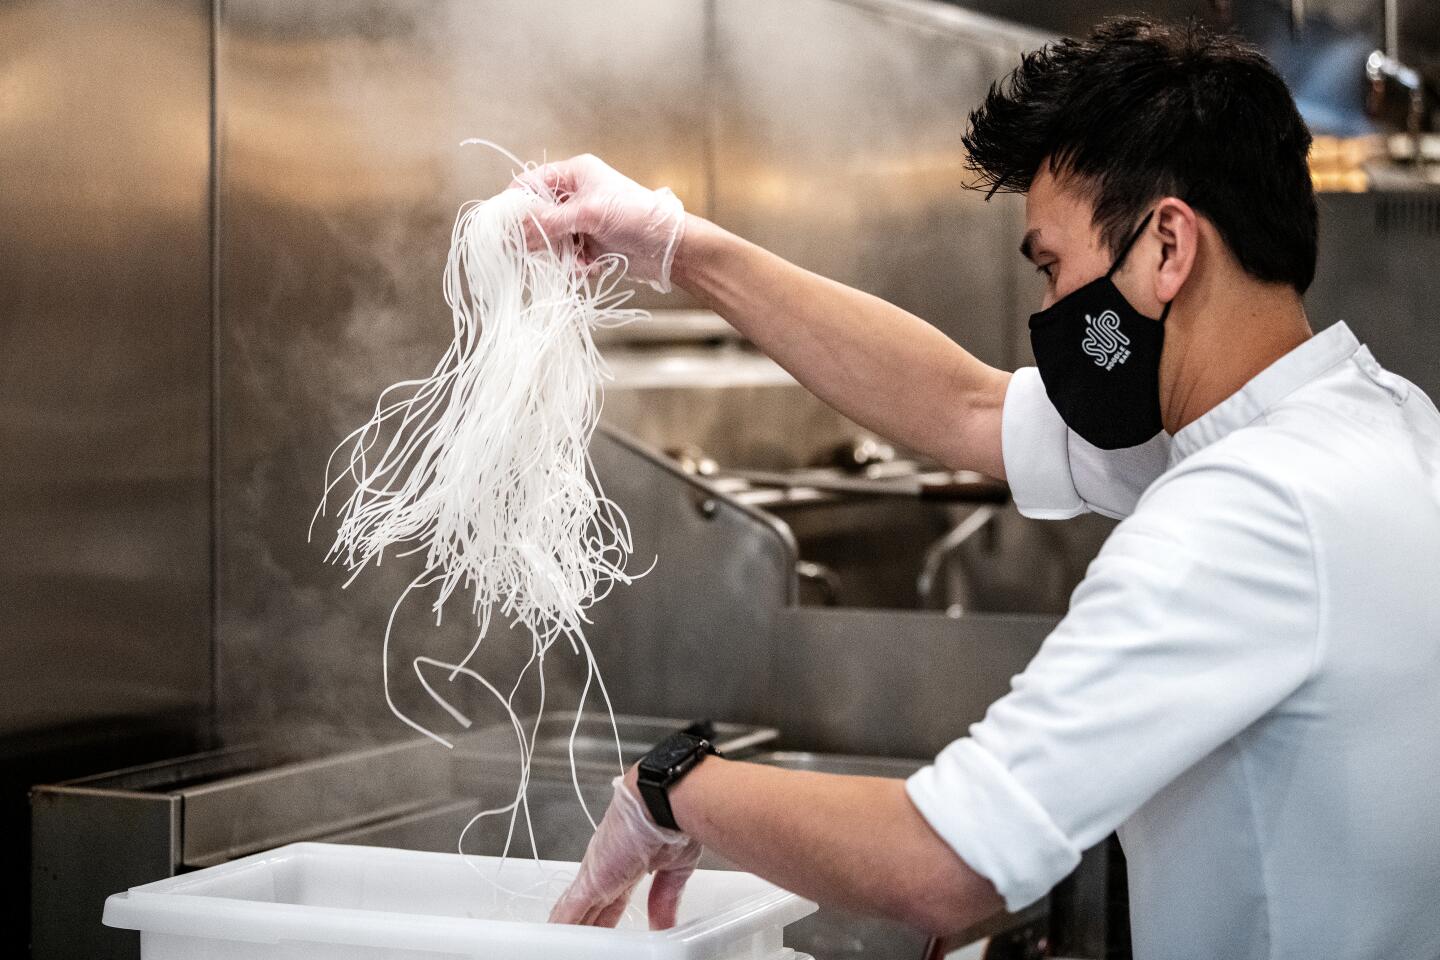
(483, 467)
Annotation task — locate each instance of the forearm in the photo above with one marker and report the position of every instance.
(855, 842)
(886, 369)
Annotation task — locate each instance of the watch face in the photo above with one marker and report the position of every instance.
(673, 750)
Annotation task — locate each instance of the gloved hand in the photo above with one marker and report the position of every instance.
(612, 214)
(625, 847)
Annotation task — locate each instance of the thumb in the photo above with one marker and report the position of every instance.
(561, 220)
(665, 892)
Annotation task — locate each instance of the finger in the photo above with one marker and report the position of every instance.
(608, 914)
(549, 179)
(592, 910)
(536, 236)
(612, 914)
(665, 893)
(571, 907)
(557, 219)
(593, 913)
(560, 219)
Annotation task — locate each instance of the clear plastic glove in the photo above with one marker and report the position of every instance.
(626, 847)
(611, 214)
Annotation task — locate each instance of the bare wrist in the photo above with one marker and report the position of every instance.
(686, 797)
(697, 242)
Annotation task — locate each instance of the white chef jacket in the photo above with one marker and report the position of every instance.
(1247, 684)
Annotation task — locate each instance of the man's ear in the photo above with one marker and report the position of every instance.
(1178, 227)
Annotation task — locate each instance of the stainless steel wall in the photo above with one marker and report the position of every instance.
(837, 145)
(104, 394)
(104, 268)
(340, 174)
(1377, 273)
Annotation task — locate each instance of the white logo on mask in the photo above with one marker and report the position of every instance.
(1104, 341)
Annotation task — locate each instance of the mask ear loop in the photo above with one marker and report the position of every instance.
(1125, 250)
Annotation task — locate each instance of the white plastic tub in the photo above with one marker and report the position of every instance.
(326, 902)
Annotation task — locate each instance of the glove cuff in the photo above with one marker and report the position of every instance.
(636, 814)
(672, 210)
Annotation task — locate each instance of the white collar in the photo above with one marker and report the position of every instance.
(1267, 388)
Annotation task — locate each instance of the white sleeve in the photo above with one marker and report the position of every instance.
(1198, 617)
(1054, 474)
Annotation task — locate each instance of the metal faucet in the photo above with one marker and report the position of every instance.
(1380, 67)
(1383, 66)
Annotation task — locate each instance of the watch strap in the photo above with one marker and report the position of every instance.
(657, 801)
(663, 767)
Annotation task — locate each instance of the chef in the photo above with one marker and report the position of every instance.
(1247, 682)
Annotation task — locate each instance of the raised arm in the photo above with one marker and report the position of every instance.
(882, 367)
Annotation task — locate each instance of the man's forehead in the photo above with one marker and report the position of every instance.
(1057, 213)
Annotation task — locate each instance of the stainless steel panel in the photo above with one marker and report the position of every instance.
(694, 637)
(773, 423)
(88, 847)
(1376, 272)
(104, 399)
(875, 555)
(561, 747)
(340, 174)
(560, 828)
(102, 834)
(104, 360)
(838, 146)
(893, 682)
(245, 814)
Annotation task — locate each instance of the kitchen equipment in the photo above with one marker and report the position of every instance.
(328, 900)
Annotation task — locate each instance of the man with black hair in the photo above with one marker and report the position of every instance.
(1247, 684)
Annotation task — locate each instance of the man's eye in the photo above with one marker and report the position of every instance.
(1045, 269)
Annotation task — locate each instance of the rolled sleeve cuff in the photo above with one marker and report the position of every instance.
(1035, 444)
(992, 823)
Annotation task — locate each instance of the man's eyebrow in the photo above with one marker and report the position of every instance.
(1027, 246)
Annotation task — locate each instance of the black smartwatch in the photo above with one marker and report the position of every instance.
(663, 767)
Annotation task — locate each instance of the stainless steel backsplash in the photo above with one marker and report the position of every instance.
(828, 131)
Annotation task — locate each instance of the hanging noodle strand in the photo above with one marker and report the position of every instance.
(483, 467)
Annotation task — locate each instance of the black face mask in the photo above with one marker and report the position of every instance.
(1099, 359)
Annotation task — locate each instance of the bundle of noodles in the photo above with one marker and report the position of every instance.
(483, 467)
